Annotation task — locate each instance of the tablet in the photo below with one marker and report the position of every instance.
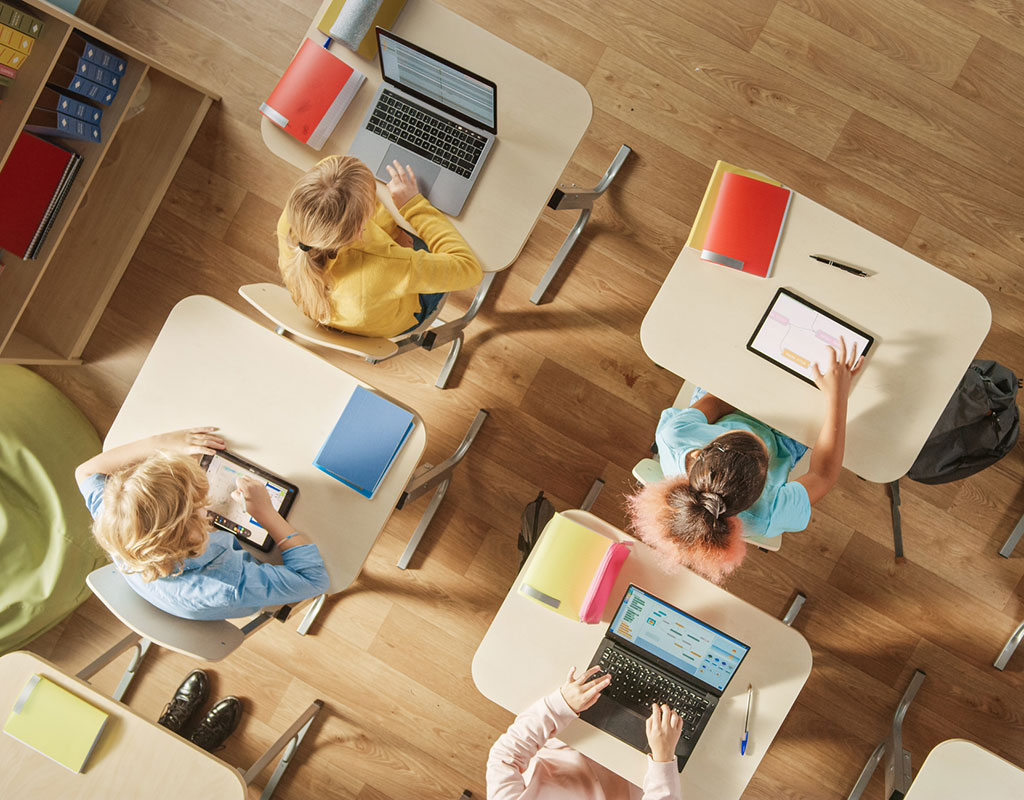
(795, 334)
(226, 513)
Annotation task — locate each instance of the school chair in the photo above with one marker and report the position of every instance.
(648, 470)
(276, 304)
(1009, 647)
(202, 640)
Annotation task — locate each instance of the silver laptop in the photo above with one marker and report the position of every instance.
(431, 114)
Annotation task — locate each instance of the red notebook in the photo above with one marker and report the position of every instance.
(312, 94)
(746, 224)
(30, 184)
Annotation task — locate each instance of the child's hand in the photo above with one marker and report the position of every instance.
(581, 695)
(253, 497)
(402, 185)
(663, 729)
(839, 372)
(192, 441)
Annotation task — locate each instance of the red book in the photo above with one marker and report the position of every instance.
(8, 72)
(746, 224)
(33, 182)
(312, 94)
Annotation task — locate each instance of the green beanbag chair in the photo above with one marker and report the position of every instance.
(46, 547)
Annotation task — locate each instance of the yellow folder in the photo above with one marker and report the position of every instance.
(563, 565)
(707, 205)
(55, 722)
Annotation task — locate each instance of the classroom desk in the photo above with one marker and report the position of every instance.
(542, 115)
(528, 649)
(275, 403)
(957, 769)
(135, 757)
(927, 325)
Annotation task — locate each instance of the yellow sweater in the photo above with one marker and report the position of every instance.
(375, 283)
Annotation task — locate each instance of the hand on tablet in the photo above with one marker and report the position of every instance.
(193, 441)
(839, 371)
(253, 497)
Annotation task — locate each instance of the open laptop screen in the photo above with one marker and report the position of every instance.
(435, 80)
(670, 635)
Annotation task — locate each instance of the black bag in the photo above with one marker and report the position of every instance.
(979, 426)
(536, 515)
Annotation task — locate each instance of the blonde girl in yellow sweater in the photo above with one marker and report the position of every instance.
(347, 263)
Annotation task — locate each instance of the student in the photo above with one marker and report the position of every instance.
(347, 263)
(528, 763)
(728, 476)
(148, 501)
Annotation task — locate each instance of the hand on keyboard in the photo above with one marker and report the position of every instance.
(663, 729)
(582, 692)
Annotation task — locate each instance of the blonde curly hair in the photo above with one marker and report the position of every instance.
(153, 515)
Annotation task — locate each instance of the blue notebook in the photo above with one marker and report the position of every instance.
(364, 442)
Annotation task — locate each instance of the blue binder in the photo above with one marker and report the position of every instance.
(364, 442)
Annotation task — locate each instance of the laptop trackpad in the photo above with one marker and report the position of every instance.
(426, 172)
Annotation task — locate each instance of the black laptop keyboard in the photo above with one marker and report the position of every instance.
(429, 135)
(636, 686)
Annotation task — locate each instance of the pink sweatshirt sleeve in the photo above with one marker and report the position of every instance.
(662, 781)
(512, 753)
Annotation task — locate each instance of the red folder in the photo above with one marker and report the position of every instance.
(746, 224)
(312, 94)
(29, 183)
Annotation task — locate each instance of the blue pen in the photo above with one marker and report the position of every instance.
(328, 43)
(746, 722)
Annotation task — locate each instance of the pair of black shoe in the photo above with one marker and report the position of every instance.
(219, 722)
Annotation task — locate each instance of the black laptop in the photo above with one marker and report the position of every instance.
(659, 654)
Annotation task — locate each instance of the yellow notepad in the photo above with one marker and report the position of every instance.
(386, 16)
(563, 566)
(707, 205)
(55, 722)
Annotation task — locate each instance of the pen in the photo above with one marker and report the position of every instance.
(844, 267)
(746, 722)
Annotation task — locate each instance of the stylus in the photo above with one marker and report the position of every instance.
(746, 722)
(837, 265)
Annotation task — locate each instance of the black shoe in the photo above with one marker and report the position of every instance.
(190, 695)
(218, 724)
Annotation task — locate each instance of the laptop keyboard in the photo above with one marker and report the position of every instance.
(429, 135)
(636, 686)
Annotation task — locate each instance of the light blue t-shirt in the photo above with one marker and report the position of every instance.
(224, 581)
(783, 505)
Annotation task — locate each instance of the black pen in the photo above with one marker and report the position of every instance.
(844, 267)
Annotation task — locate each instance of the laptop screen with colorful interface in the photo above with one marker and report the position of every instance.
(685, 642)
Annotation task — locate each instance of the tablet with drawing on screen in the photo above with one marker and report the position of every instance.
(795, 334)
(226, 513)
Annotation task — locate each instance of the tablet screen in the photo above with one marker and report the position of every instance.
(796, 334)
(222, 471)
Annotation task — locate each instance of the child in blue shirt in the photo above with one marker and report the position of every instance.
(148, 501)
(727, 475)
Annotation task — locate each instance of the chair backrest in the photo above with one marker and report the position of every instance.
(204, 640)
(276, 304)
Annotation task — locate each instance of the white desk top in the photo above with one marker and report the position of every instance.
(275, 403)
(528, 649)
(135, 757)
(957, 769)
(542, 115)
(927, 325)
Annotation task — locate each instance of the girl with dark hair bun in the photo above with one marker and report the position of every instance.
(727, 476)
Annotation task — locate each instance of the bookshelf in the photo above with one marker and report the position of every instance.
(50, 305)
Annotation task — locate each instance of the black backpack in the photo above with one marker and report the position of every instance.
(536, 515)
(979, 426)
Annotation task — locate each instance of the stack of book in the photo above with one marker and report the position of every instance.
(34, 181)
(18, 33)
(89, 70)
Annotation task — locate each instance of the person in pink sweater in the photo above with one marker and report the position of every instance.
(528, 763)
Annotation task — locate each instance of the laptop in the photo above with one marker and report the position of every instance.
(431, 114)
(659, 654)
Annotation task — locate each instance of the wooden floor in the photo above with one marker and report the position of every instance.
(904, 116)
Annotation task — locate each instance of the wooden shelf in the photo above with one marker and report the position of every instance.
(50, 305)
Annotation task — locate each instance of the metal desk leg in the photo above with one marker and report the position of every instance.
(132, 640)
(897, 529)
(794, 608)
(569, 197)
(1007, 549)
(898, 773)
(591, 498)
(439, 476)
(1009, 647)
(288, 742)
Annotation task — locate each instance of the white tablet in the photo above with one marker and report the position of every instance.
(795, 334)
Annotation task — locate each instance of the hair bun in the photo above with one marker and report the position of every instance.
(712, 503)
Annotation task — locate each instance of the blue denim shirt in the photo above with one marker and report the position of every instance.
(224, 581)
(783, 504)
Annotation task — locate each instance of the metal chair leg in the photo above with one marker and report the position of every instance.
(288, 742)
(571, 199)
(591, 498)
(1007, 549)
(1009, 647)
(897, 528)
(311, 614)
(794, 608)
